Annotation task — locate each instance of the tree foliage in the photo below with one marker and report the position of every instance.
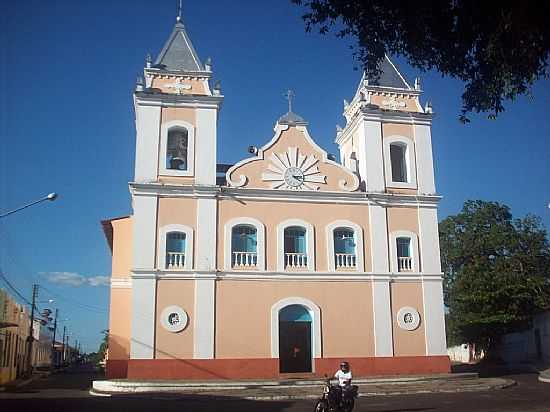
(497, 271)
(499, 49)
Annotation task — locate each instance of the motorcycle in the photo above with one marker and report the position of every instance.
(336, 399)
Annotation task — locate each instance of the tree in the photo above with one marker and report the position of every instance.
(497, 272)
(104, 346)
(499, 49)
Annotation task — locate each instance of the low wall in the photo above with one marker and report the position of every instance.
(219, 369)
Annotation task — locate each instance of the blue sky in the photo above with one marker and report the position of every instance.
(67, 73)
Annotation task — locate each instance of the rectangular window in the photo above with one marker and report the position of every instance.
(398, 162)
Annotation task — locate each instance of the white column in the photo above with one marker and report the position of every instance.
(205, 147)
(432, 288)
(205, 299)
(203, 332)
(144, 220)
(147, 143)
(383, 334)
(424, 159)
(371, 160)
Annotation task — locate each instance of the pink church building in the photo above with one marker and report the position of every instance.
(289, 262)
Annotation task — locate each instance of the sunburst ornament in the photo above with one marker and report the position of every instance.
(293, 171)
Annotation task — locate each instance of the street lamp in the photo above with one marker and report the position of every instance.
(51, 197)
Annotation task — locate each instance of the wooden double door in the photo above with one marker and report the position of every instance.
(294, 346)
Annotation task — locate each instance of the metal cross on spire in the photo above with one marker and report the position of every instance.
(289, 95)
(178, 17)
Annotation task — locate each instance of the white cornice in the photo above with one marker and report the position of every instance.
(384, 116)
(151, 71)
(177, 100)
(286, 276)
(269, 195)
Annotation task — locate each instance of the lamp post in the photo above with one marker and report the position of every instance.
(51, 197)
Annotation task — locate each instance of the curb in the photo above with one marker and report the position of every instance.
(506, 383)
(133, 386)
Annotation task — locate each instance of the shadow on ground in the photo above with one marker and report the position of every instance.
(493, 369)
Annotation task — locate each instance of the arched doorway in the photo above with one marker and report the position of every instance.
(294, 339)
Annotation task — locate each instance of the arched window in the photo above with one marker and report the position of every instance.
(345, 248)
(175, 250)
(404, 255)
(177, 149)
(244, 246)
(295, 247)
(398, 158)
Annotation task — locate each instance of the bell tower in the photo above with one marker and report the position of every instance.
(176, 115)
(176, 112)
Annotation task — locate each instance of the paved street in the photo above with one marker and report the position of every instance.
(69, 392)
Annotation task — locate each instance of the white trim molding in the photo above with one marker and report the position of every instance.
(414, 251)
(165, 128)
(314, 313)
(260, 239)
(410, 159)
(161, 258)
(310, 242)
(359, 245)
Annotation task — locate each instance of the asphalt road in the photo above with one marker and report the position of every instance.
(69, 392)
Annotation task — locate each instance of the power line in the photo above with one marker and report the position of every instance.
(13, 289)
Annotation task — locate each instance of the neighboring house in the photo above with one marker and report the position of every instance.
(292, 261)
(13, 338)
(532, 345)
(14, 332)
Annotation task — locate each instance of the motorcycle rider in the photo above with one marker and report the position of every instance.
(344, 379)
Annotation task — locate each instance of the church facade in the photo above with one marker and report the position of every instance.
(290, 261)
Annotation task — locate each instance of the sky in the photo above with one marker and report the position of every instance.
(67, 72)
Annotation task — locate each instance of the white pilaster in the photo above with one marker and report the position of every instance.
(381, 302)
(434, 313)
(429, 240)
(142, 342)
(205, 147)
(434, 317)
(371, 159)
(143, 289)
(424, 159)
(147, 143)
(205, 289)
(207, 216)
(383, 336)
(145, 228)
(203, 332)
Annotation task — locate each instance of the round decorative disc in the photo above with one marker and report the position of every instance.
(408, 318)
(174, 319)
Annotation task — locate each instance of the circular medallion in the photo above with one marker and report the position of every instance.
(408, 318)
(294, 176)
(174, 319)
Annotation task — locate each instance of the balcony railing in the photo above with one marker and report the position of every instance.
(345, 260)
(404, 264)
(242, 260)
(295, 260)
(175, 260)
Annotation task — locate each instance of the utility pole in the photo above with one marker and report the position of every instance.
(63, 352)
(31, 330)
(53, 340)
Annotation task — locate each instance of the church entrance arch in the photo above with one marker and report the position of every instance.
(295, 339)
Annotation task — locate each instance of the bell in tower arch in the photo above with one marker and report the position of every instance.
(176, 153)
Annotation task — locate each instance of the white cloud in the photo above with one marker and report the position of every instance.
(75, 279)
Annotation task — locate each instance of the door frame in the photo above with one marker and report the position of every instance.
(314, 313)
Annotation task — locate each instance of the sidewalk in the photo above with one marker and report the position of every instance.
(18, 383)
(303, 389)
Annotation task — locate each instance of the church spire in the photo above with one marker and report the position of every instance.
(178, 53)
